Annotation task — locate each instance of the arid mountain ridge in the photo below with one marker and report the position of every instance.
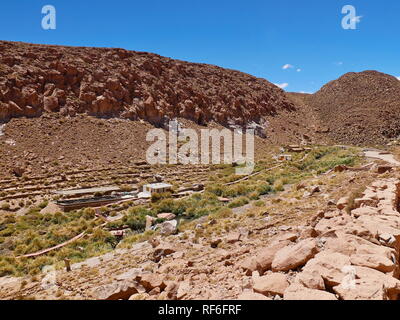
(133, 85)
(358, 108)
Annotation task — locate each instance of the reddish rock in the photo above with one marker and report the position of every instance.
(51, 104)
(369, 284)
(294, 256)
(151, 281)
(373, 261)
(329, 266)
(114, 291)
(271, 284)
(162, 251)
(311, 279)
(134, 85)
(265, 257)
(248, 295)
(262, 261)
(383, 169)
(233, 237)
(285, 236)
(166, 216)
(183, 290)
(342, 203)
(298, 292)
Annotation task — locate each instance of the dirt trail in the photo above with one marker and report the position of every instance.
(382, 155)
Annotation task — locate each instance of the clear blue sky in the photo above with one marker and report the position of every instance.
(254, 36)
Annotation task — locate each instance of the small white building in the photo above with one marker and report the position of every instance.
(152, 188)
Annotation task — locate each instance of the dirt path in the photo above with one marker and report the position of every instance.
(381, 155)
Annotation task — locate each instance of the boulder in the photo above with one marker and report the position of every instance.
(294, 256)
(369, 211)
(139, 296)
(271, 284)
(369, 284)
(342, 203)
(349, 244)
(299, 292)
(50, 208)
(50, 104)
(262, 261)
(168, 227)
(383, 169)
(233, 237)
(151, 280)
(161, 251)
(183, 290)
(335, 223)
(328, 265)
(373, 261)
(310, 279)
(290, 236)
(166, 216)
(121, 290)
(248, 295)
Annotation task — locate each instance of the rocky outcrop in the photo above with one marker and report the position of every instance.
(36, 79)
(349, 257)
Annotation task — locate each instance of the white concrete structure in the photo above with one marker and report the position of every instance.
(149, 189)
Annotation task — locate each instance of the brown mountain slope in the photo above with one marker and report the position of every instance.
(360, 108)
(134, 85)
(52, 99)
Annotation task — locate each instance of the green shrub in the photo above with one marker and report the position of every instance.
(259, 203)
(43, 204)
(239, 202)
(155, 197)
(264, 189)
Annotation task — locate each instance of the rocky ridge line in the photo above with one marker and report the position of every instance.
(36, 79)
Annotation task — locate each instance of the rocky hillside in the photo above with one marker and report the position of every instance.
(359, 108)
(35, 79)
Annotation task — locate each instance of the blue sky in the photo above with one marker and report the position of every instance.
(254, 36)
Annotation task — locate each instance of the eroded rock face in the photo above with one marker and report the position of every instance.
(134, 85)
